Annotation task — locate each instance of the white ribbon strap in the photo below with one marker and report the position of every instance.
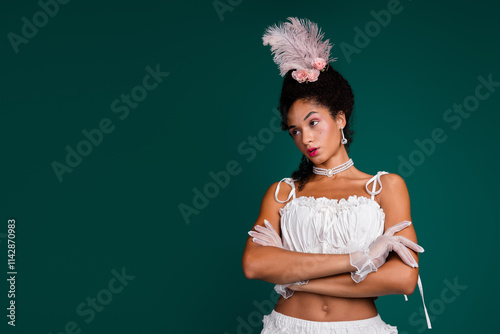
(375, 179)
(292, 192)
(423, 302)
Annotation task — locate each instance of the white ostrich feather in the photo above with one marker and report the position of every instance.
(296, 44)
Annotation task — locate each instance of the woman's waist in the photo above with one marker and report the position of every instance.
(315, 307)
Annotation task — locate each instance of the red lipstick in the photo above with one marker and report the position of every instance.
(312, 151)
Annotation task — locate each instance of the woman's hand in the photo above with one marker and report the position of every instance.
(266, 236)
(375, 256)
(297, 287)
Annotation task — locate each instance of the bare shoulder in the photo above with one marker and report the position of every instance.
(391, 183)
(275, 193)
(394, 186)
(270, 207)
(395, 199)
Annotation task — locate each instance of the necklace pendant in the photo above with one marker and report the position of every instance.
(332, 171)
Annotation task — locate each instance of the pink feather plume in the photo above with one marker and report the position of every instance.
(296, 44)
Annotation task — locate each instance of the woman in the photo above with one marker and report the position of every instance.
(324, 238)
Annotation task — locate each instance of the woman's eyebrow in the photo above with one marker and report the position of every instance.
(309, 114)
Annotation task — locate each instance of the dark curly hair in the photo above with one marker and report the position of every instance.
(331, 91)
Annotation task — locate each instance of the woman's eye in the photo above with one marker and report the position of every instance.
(313, 122)
(293, 133)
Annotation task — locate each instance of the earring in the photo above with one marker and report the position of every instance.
(343, 141)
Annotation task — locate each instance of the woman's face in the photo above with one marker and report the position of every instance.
(315, 132)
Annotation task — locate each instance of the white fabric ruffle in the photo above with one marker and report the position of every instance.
(283, 289)
(275, 323)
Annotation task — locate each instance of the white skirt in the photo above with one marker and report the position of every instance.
(276, 322)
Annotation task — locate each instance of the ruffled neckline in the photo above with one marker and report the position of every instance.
(351, 201)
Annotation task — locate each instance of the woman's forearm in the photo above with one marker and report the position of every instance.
(394, 277)
(282, 266)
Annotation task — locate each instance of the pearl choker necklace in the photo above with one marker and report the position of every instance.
(337, 169)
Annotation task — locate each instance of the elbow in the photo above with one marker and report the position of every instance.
(249, 269)
(408, 289)
(248, 272)
(408, 281)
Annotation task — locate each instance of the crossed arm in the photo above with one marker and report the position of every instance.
(282, 266)
(329, 274)
(394, 277)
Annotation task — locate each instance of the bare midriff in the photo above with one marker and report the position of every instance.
(315, 307)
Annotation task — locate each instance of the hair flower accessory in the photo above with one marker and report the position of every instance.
(297, 45)
(306, 75)
(319, 64)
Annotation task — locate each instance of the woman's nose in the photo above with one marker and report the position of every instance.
(306, 137)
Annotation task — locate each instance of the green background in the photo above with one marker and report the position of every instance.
(119, 207)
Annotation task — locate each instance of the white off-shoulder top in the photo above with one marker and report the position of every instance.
(332, 226)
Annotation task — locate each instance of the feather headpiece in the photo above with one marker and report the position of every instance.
(297, 45)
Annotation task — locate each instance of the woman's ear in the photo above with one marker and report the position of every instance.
(341, 122)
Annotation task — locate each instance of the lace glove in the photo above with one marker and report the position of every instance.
(375, 256)
(267, 236)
